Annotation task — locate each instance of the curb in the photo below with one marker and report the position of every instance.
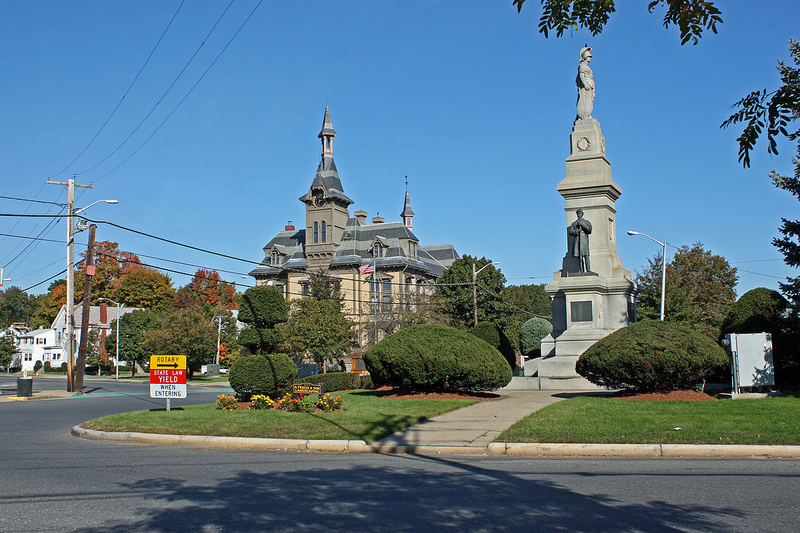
(532, 449)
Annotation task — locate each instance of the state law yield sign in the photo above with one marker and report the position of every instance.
(168, 376)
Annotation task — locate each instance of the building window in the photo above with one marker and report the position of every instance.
(306, 289)
(324, 231)
(316, 232)
(412, 249)
(377, 250)
(275, 258)
(381, 295)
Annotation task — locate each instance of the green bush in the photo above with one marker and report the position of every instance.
(336, 381)
(763, 309)
(37, 366)
(271, 375)
(652, 356)
(491, 333)
(531, 334)
(436, 358)
(63, 368)
(48, 367)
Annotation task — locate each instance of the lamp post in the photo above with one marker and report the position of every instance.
(71, 277)
(116, 359)
(663, 267)
(475, 287)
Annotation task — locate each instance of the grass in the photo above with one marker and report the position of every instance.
(613, 421)
(365, 416)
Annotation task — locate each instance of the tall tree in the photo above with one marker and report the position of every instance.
(15, 306)
(46, 306)
(112, 265)
(186, 332)
(207, 289)
(133, 329)
(146, 288)
(7, 351)
(691, 16)
(772, 113)
(455, 288)
(319, 328)
(701, 288)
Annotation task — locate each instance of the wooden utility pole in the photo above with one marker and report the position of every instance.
(87, 298)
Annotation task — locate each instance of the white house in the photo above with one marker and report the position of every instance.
(39, 345)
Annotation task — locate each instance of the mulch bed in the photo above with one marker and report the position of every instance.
(673, 396)
(396, 392)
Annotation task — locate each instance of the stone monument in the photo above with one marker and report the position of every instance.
(592, 295)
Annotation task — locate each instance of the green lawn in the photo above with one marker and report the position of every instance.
(365, 416)
(609, 420)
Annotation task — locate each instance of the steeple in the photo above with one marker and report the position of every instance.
(327, 134)
(407, 213)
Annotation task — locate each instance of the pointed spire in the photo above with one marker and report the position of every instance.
(407, 213)
(327, 134)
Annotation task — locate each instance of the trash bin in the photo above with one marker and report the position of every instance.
(24, 387)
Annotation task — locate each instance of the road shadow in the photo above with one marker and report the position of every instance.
(449, 496)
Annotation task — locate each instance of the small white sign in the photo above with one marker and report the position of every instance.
(167, 390)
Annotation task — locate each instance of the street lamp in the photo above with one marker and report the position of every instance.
(71, 277)
(475, 286)
(116, 359)
(663, 267)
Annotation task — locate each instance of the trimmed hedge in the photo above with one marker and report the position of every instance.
(491, 333)
(531, 334)
(436, 358)
(651, 355)
(270, 375)
(336, 381)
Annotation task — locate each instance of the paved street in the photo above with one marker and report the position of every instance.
(55, 482)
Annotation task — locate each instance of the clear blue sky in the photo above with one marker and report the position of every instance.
(466, 98)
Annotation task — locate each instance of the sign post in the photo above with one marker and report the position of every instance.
(168, 377)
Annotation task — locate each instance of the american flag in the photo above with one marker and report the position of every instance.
(369, 268)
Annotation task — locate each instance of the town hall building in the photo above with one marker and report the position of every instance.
(376, 265)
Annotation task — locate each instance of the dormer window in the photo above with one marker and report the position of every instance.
(412, 249)
(274, 258)
(377, 250)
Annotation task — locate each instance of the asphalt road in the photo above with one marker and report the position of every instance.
(51, 481)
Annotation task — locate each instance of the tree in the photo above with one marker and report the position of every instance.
(320, 329)
(691, 16)
(772, 113)
(147, 288)
(133, 329)
(15, 306)
(206, 288)
(186, 332)
(112, 265)
(262, 308)
(701, 287)
(455, 288)
(7, 351)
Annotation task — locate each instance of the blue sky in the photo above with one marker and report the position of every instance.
(466, 98)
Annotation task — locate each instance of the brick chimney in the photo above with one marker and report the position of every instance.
(103, 314)
(289, 227)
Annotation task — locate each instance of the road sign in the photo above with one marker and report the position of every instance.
(168, 376)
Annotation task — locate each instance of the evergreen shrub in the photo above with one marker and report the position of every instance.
(651, 355)
(37, 366)
(336, 381)
(436, 358)
(270, 375)
(531, 334)
(495, 336)
(48, 367)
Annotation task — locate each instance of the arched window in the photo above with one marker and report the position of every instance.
(316, 232)
(324, 231)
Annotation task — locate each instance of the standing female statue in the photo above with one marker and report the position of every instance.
(585, 82)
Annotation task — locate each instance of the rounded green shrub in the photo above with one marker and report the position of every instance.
(436, 358)
(37, 366)
(531, 334)
(492, 334)
(336, 381)
(755, 311)
(270, 375)
(652, 356)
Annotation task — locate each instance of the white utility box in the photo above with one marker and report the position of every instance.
(751, 360)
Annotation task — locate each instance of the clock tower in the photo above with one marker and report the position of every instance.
(327, 205)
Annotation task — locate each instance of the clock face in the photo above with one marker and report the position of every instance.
(319, 201)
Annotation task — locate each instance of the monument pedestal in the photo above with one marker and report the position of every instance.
(587, 306)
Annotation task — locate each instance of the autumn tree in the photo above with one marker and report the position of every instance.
(112, 265)
(186, 332)
(701, 288)
(207, 289)
(133, 330)
(146, 288)
(691, 16)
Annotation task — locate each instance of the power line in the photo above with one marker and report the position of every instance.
(30, 200)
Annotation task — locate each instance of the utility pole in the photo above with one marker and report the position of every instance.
(69, 341)
(87, 296)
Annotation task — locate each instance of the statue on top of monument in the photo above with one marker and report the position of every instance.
(578, 233)
(585, 82)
